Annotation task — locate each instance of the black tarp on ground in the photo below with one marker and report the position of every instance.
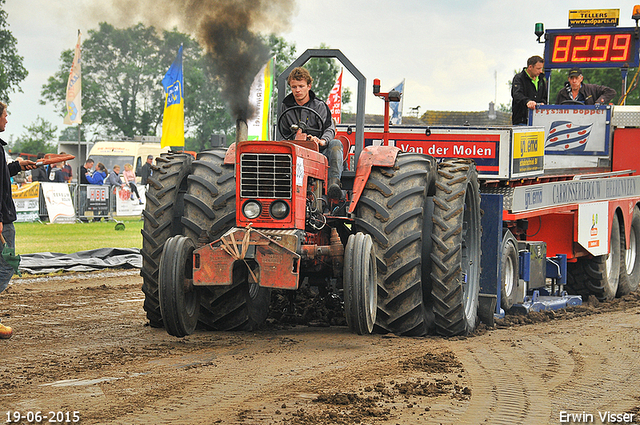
(83, 261)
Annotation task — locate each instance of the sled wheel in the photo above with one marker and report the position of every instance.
(456, 250)
(179, 299)
(630, 258)
(509, 271)
(599, 275)
(359, 280)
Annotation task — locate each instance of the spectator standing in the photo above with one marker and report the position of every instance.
(55, 173)
(99, 175)
(86, 170)
(40, 174)
(8, 211)
(65, 169)
(145, 170)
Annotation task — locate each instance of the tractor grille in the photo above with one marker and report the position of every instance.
(265, 175)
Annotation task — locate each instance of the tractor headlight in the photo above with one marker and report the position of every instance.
(251, 209)
(279, 209)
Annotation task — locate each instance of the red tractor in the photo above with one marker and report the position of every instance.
(402, 251)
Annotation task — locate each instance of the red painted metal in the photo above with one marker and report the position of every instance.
(380, 156)
(306, 164)
(278, 266)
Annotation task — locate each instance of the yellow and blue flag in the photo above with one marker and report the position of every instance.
(173, 119)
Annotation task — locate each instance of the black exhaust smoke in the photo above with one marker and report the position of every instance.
(227, 29)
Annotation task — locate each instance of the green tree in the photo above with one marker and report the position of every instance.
(39, 137)
(12, 71)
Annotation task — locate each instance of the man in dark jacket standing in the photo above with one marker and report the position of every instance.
(8, 210)
(528, 89)
(588, 94)
(145, 170)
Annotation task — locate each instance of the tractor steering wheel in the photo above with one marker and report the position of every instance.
(289, 131)
(572, 102)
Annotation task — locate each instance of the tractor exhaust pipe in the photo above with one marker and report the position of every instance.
(242, 130)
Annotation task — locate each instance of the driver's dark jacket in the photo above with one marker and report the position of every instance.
(591, 93)
(327, 126)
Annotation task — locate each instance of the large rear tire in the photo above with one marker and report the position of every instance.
(630, 258)
(162, 213)
(179, 300)
(599, 275)
(391, 210)
(210, 211)
(359, 282)
(455, 274)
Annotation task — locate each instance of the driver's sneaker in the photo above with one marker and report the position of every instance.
(5, 332)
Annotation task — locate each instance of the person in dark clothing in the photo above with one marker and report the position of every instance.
(528, 89)
(84, 170)
(8, 210)
(588, 94)
(301, 95)
(145, 170)
(55, 174)
(40, 174)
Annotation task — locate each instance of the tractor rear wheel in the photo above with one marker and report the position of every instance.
(210, 211)
(359, 282)
(162, 213)
(455, 257)
(179, 299)
(630, 258)
(598, 275)
(391, 210)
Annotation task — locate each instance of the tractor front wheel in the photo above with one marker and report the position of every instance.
(179, 299)
(359, 281)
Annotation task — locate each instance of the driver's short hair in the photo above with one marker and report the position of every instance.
(299, 73)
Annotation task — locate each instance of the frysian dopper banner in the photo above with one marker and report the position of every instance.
(74, 88)
(335, 99)
(396, 107)
(260, 96)
(173, 118)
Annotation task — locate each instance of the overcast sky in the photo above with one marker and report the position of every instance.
(455, 55)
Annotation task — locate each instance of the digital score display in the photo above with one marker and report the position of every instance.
(595, 48)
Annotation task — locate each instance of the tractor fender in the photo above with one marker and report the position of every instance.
(378, 156)
(230, 157)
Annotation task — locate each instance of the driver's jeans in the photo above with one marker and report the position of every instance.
(333, 152)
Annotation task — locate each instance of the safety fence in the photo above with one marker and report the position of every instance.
(70, 202)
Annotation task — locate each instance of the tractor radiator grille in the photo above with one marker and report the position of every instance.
(265, 175)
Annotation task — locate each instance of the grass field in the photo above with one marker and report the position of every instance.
(69, 238)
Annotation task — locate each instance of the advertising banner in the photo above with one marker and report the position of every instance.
(26, 201)
(125, 205)
(59, 204)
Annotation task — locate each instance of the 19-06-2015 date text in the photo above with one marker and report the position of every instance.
(42, 417)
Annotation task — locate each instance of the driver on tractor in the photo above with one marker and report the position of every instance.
(316, 123)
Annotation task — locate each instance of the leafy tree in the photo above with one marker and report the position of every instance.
(70, 134)
(39, 137)
(12, 71)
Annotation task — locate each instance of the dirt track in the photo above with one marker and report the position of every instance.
(81, 345)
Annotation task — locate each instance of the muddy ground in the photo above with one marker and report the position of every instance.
(82, 349)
